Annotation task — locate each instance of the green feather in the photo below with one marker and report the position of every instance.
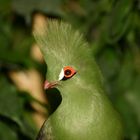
(85, 112)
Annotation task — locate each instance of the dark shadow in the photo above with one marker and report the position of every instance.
(54, 99)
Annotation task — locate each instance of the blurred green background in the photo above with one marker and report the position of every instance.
(112, 28)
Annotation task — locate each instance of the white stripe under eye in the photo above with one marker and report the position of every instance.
(61, 75)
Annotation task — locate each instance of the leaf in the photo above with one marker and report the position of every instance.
(26, 7)
(5, 6)
(129, 117)
(126, 73)
(126, 90)
(10, 105)
(109, 62)
(133, 97)
(15, 44)
(119, 20)
(6, 133)
(28, 127)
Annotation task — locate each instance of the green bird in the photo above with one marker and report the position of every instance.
(85, 112)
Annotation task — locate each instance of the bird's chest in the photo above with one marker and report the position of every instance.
(74, 123)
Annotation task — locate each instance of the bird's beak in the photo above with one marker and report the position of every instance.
(48, 85)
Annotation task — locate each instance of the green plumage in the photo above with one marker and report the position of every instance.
(85, 112)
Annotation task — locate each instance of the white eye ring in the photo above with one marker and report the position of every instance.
(61, 75)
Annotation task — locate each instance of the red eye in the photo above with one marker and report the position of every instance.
(69, 72)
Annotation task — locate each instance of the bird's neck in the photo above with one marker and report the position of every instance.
(76, 98)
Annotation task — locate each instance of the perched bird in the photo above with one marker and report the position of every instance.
(85, 112)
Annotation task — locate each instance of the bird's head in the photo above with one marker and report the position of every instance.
(66, 53)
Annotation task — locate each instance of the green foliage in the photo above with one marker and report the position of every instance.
(14, 118)
(112, 28)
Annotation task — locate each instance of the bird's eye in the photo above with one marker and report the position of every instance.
(66, 73)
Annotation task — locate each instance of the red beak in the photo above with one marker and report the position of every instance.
(48, 85)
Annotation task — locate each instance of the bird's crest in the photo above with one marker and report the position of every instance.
(60, 40)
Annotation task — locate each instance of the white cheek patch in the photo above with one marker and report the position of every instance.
(61, 75)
